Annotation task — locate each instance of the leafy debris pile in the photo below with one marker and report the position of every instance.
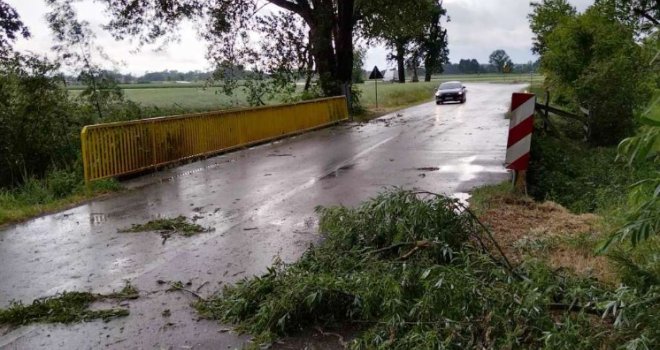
(68, 307)
(410, 271)
(169, 226)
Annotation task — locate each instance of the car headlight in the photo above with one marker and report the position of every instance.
(460, 92)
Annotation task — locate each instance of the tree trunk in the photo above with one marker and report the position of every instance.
(400, 58)
(331, 38)
(324, 55)
(415, 78)
(427, 75)
(344, 40)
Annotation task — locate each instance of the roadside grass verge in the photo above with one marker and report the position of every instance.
(406, 271)
(68, 307)
(59, 190)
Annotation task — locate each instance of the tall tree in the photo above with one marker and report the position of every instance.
(434, 44)
(358, 65)
(76, 49)
(397, 26)
(501, 60)
(11, 27)
(545, 16)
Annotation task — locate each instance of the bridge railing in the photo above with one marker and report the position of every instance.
(123, 148)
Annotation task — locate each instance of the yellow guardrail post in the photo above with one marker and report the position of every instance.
(84, 146)
(122, 148)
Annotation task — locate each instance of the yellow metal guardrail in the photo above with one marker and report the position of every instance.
(123, 148)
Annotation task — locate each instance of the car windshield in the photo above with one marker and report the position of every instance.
(449, 86)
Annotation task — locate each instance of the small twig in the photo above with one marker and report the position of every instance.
(175, 286)
(201, 286)
(409, 253)
(393, 246)
(418, 246)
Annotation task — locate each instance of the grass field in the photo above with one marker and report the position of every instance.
(198, 96)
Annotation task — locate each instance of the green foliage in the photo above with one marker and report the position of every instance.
(59, 189)
(594, 61)
(501, 60)
(38, 126)
(578, 177)
(11, 27)
(179, 224)
(68, 307)
(545, 16)
(448, 296)
(359, 54)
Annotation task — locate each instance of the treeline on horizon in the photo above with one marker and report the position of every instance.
(464, 66)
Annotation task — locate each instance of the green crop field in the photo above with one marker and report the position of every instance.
(198, 96)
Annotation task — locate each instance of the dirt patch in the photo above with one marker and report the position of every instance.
(525, 228)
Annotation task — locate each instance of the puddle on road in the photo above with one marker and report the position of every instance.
(97, 219)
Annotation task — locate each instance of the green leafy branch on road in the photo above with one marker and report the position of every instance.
(169, 226)
(406, 271)
(68, 307)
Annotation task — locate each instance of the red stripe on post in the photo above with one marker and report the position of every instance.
(521, 163)
(520, 131)
(519, 98)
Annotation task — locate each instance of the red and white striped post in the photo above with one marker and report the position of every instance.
(520, 136)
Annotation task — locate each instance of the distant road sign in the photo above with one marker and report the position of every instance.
(375, 74)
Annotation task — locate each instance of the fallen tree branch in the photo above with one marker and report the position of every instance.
(418, 246)
(461, 207)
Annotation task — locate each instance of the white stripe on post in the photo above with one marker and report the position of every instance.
(519, 149)
(523, 112)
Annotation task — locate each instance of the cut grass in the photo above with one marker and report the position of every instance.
(547, 231)
(68, 307)
(179, 224)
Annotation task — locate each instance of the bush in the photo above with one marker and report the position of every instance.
(38, 124)
(592, 60)
(579, 177)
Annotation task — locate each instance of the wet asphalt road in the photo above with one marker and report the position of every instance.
(261, 203)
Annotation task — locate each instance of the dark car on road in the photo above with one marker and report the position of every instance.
(451, 91)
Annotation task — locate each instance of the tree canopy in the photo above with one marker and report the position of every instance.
(11, 27)
(545, 16)
(501, 60)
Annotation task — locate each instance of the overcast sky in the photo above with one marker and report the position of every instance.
(477, 28)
